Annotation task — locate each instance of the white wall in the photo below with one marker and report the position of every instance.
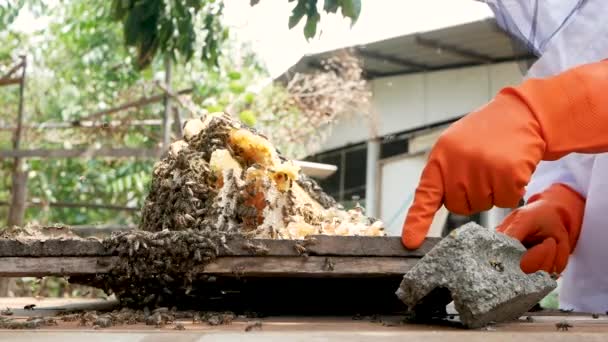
(395, 190)
(399, 177)
(410, 101)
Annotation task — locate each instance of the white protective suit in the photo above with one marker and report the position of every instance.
(564, 34)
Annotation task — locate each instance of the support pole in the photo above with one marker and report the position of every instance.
(19, 176)
(179, 130)
(371, 184)
(16, 212)
(166, 125)
(372, 178)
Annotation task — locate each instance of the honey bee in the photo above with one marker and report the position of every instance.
(300, 249)
(254, 325)
(497, 265)
(563, 326)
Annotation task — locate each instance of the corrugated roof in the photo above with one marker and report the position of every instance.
(469, 44)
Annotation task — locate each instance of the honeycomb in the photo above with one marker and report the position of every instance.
(224, 176)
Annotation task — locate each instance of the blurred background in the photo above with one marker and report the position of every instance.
(357, 91)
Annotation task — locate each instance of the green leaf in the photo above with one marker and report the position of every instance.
(351, 9)
(148, 9)
(310, 29)
(214, 109)
(131, 29)
(331, 6)
(234, 75)
(236, 87)
(297, 13)
(249, 98)
(248, 118)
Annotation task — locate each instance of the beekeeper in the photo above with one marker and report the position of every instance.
(543, 140)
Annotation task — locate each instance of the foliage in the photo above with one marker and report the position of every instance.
(9, 10)
(80, 65)
(298, 116)
(171, 26)
(76, 67)
(176, 26)
(349, 8)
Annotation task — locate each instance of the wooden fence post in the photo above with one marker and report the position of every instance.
(19, 177)
(167, 103)
(16, 212)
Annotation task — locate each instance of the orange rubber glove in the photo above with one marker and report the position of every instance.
(549, 226)
(487, 158)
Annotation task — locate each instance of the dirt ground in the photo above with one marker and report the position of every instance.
(540, 327)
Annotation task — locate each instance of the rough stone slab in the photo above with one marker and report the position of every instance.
(479, 270)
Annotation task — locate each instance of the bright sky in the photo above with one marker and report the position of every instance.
(265, 25)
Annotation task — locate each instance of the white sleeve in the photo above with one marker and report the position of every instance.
(573, 170)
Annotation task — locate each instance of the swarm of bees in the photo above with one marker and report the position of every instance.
(222, 180)
(224, 176)
(159, 318)
(157, 269)
(30, 323)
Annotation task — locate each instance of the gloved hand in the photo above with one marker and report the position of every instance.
(487, 158)
(549, 226)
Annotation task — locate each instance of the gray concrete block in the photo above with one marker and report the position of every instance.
(479, 270)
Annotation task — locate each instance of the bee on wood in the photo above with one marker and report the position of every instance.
(529, 319)
(310, 240)
(329, 264)
(256, 249)
(595, 316)
(238, 271)
(563, 326)
(300, 249)
(29, 307)
(254, 325)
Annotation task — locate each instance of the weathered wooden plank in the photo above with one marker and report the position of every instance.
(10, 80)
(55, 266)
(123, 152)
(51, 248)
(224, 266)
(320, 245)
(38, 203)
(316, 266)
(133, 104)
(390, 246)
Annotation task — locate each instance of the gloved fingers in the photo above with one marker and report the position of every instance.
(506, 194)
(479, 192)
(540, 257)
(427, 200)
(521, 226)
(457, 199)
(508, 221)
(550, 229)
(563, 252)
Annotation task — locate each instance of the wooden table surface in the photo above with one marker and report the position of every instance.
(295, 328)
